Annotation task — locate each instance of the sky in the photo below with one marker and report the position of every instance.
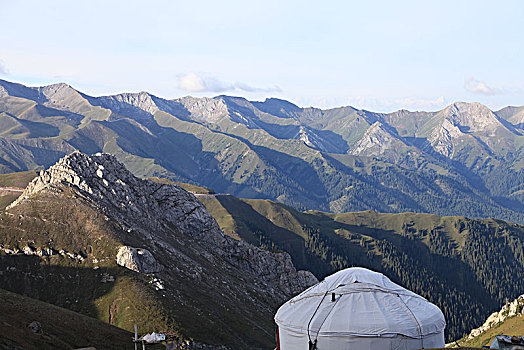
(376, 55)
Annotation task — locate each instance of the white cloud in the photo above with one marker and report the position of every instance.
(479, 87)
(202, 83)
(3, 68)
(409, 103)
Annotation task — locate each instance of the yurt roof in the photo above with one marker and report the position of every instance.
(366, 303)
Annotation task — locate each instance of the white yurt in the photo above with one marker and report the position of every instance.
(359, 309)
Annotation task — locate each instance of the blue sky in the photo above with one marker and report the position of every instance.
(377, 55)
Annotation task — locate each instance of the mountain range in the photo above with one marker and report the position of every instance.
(463, 160)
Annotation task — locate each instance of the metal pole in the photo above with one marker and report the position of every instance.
(136, 336)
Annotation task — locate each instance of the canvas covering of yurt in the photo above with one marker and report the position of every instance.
(359, 309)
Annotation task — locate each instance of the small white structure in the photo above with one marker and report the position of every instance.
(359, 309)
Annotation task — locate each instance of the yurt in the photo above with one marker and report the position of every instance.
(359, 309)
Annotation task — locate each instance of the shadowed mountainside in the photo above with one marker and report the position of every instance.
(60, 328)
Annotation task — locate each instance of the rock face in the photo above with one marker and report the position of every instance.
(376, 140)
(205, 109)
(153, 212)
(133, 202)
(461, 120)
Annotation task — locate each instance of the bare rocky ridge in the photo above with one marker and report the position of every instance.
(151, 210)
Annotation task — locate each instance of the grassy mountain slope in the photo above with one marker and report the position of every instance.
(65, 223)
(511, 326)
(61, 328)
(456, 262)
(335, 160)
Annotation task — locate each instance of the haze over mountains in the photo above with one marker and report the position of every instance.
(463, 160)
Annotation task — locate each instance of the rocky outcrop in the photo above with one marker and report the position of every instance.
(210, 110)
(130, 200)
(153, 212)
(136, 259)
(129, 103)
(514, 308)
(442, 139)
(35, 327)
(375, 141)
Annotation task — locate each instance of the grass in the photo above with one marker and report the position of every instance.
(511, 326)
(188, 187)
(62, 328)
(18, 180)
(7, 199)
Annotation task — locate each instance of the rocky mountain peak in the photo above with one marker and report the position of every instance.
(135, 202)
(470, 117)
(460, 119)
(56, 92)
(376, 140)
(79, 170)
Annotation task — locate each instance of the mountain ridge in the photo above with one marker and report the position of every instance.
(340, 159)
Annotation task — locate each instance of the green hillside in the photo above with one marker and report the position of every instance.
(455, 262)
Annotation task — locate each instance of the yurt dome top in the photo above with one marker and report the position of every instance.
(357, 302)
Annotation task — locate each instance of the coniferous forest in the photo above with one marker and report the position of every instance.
(467, 267)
